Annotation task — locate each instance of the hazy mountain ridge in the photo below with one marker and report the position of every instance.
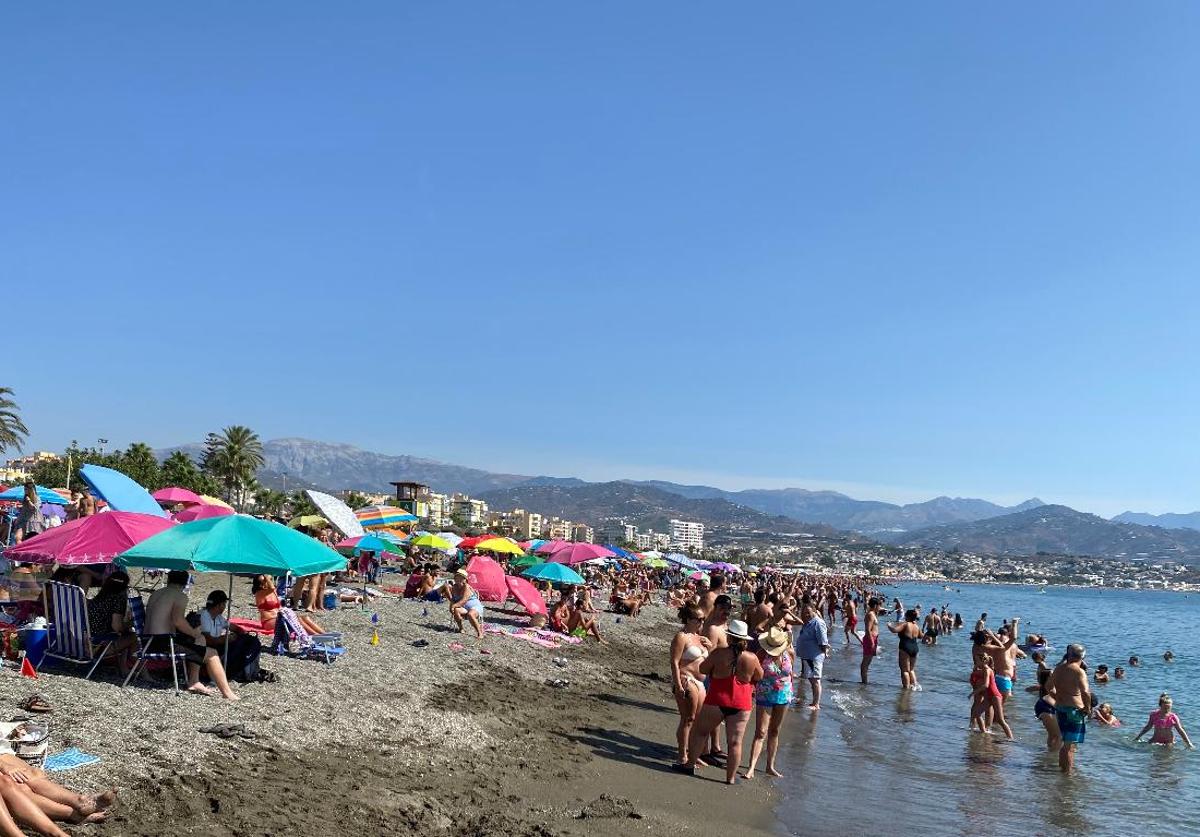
(1170, 520)
(1059, 530)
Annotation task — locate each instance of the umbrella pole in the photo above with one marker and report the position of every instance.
(228, 628)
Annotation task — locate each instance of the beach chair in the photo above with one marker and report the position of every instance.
(71, 639)
(319, 646)
(137, 610)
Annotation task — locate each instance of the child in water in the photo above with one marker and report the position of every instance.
(1104, 714)
(1164, 722)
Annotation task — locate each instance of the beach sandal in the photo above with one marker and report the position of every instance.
(36, 703)
(420, 643)
(558, 683)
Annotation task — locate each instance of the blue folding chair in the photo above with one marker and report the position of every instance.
(137, 611)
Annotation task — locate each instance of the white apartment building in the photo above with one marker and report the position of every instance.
(439, 511)
(687, 534)
(526, 525)
(582, 533)
(473, 512)
(556, 529)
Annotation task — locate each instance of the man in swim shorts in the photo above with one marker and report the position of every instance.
(1004, 659)
(870, 637)
(1068, 686)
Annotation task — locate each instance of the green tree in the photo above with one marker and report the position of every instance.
(13, 431)
(233, 457)
(64, 472)
(181, 470)
(298, 504)
(269, 502)
(355, 500)
(139, 463)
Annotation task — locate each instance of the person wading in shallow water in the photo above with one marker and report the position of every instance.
(909, 632)
(1068, 688)
(870, 637)
(812, 644)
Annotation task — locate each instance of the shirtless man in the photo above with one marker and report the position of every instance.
(870, 637)
(717, 621)
(760, 613)
(87, 503)
(166, 615)
(1068, 687)
(717, 588)
(1004, 660)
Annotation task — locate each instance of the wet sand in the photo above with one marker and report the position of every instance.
(398, 739)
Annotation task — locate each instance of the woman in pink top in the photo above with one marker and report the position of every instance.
(1164, 722)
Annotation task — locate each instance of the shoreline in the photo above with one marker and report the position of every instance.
(395, 738)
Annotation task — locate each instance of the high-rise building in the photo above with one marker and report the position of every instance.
(686, 534)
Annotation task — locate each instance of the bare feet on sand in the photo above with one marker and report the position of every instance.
(201, 689)
(771, 771)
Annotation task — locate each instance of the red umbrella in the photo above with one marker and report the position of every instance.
(95, 539)
(174, 494)
(487, 578)
(469, 543)
(550, 547)
(577, 553)
(202, 513)
(528, 595)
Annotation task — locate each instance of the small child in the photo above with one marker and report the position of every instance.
(1165, 723)
(1104, 714)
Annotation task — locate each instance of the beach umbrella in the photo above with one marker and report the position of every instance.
(527, 595)
(702, 564)
(726, 567)
(432, 542)
(487, 579)
(192, 513)
(214, 501)
(174, 494)
(389, 536)
(699, 576)
(556, 573)
(95, 539)
(577, 553)
(45, 495)
(503, 545)
(383, 517)
(450, 538)
(337, 513)
(470, 543)
(651, 553)
(308, 521)
(367, 543)
(535, 543)
(550, 547)
(621, 552)
(53, 510)
(237, 544)
(681, 561)
(525, 561)
(119, 491)
(753, 568)
(656, 563)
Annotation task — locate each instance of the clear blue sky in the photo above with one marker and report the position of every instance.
(895, 249)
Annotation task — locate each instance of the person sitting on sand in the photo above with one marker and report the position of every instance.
(1104, 714)
(268, 604)
(32, 799)
(166, 615)
(623, 600)
(465, 603)
(1165, 723)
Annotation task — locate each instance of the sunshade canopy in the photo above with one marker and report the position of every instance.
(487, 578)
(119, 491)
(528, 595)
(45, 495)
(337, 513)
(499, 545)
(176, 494)
(373, 517)
(95, 539)
(234, 544)
(202, 512)
(577, 553)
(558, 573)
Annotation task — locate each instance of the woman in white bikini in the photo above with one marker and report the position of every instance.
(688, 649)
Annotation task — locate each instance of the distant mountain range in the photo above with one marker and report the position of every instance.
(644, 506)
(1058, 530)
(1166, 521)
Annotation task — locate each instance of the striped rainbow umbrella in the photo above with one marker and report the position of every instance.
(383, 517)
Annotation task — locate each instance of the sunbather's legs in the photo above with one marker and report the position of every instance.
(8, 826)
(310, 625)
(212, 664)
(475, 621)
(456, 614)
(20, 801)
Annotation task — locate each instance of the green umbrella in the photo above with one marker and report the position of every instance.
(233, 544)
(654, 563)
(525, 561)
(432, 541)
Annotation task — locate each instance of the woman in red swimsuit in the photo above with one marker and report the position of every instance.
(268, 605)
(733, 672)
(985, 695)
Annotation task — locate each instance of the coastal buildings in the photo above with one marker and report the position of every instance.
(582, 533)
(686, 534)
(470, 511)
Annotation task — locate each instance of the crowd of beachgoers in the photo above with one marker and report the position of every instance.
(748, 643)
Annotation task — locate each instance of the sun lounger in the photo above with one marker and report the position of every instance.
(320, 646)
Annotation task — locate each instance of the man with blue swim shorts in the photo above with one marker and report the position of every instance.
(1068, 685)
(1004, 658)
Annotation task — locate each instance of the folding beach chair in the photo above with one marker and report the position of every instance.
(138, 611)
(319, 646)
(72, 637)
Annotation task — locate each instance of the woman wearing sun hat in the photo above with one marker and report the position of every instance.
(772, 696)
(732, 673)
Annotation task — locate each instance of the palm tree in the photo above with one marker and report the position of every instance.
(269, 502)
(233, 457)
(12, 430)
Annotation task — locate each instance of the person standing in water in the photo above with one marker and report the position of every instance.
(1068, 688)
(1043, 710)
(1165, 723)
(812, 644)
(909, 632)
(870, 637)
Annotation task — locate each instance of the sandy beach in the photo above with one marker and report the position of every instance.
(401, 739)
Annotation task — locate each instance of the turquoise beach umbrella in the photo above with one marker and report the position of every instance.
(557, 573)
(236, 544)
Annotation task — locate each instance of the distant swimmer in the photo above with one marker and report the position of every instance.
(1165, 723)
(1169, 657)
(1134, 662)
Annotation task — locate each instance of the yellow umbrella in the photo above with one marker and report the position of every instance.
(310, 521)
(499, 545)
(213, 501)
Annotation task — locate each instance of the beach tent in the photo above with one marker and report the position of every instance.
(174, 494)
(201, 512)
(337, 513)
(527, 595)
(577, 553)
(119, 491)
(487, 578)
(95, 539)
(17, 493)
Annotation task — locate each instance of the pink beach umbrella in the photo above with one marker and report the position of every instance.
(528, 596)
(577, 553)
(95, 539)
(487, 578)
(174, 494)
(202, 512)
(550, 547)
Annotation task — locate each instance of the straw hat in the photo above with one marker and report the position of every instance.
(460, 572)
(774, 641)
(738, 629)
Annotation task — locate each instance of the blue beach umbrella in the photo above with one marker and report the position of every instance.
(45, 495)
(557, 573)
(681, 561)
(119, 491)
(620, 552)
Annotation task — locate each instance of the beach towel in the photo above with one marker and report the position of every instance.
(68, 760)
(534, 636)
(252, 626)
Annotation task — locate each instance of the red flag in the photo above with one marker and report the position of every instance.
(27, 669)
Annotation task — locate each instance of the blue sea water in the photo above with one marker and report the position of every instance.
(877, 759)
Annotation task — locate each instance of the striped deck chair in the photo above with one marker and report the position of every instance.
(320, 646)
(137, 610)
(71, 638)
